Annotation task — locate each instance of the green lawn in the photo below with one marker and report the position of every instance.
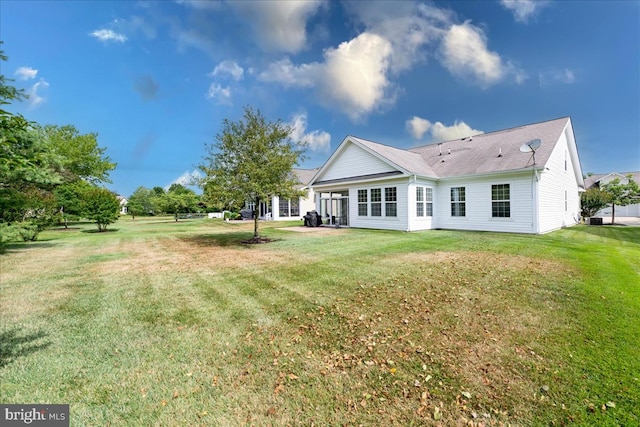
(165, 323)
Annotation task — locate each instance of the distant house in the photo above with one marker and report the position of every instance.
(525, 179)
(595, 181)
(123, 204)
(281, 209)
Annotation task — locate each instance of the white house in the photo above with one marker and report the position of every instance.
(525, 179)
(123, 204)
(280, 209)
(599, 179)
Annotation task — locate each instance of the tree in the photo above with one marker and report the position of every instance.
(251, 160)
(70, 198)
(102, 207)
(142, 202)
(29, 171)
(179, 199)
(621, 194)
(591, 201)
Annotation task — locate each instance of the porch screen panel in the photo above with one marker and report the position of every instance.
(295, 207)
(284, 207)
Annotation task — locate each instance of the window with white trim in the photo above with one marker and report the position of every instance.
(428, 201)
(363, 203)
(500, 201)
(458, 201)
(376, 202)
(391, 201)
(424, 201)
(287, 208)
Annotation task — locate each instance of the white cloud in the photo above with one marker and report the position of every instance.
(565, 76)
(317, 140)
(417, 126)
(26, 73)
(187, 179)
(438, 131)
(352, 78)
(290, 75)
(106, 35)
(355, 75)
(408, 26)
(221, 95)
(279, 25)
(35, 93)
(228, 67)
(523, 9)
(465, 54)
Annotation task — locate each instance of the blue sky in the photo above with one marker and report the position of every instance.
(156, 79)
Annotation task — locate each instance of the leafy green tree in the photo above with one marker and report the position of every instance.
(81, 156)
(142, 202)
(251, 160)
(591, 201)
(29, 171)
(102, 207)
(70, 199)
(621, 194)
(179, 199)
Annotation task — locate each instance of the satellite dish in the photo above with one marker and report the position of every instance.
(531, 146)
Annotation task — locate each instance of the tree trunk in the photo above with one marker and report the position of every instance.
(255, 219)
(613, 213)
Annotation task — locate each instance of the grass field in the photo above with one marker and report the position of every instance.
(180, 324)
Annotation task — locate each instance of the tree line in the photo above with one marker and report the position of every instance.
(48, 173)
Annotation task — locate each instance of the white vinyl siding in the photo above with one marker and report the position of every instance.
(554, 212)
(479, 208)
(355, 161)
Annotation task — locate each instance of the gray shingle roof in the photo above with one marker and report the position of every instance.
(485, 153)
(494, 151)
(305, 175)
(413, 163)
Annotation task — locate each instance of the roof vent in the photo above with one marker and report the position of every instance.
(440, 147)
(449, 151)
(500, 153)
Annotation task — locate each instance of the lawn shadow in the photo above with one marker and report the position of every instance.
(108, 230)
(617, 232)
(20, 246)
(238, 239)
(14, 344)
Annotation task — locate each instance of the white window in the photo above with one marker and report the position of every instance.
(391, 201)
(363, 203)
(500, 201)
(424, 201)
(458, 201)
(376, 202)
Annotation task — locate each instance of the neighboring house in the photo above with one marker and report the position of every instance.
(595, 181)
(480, 182)
(123, 204)
(280, 209)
